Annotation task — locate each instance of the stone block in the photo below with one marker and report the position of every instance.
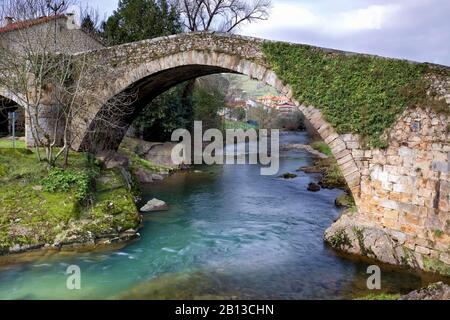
(445, 258)
(389, 204)
(405, 152)
(345, 159)
(391, 214)
(422, 250)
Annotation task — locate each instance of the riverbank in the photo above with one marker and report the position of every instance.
(91, 203)
(84, 205)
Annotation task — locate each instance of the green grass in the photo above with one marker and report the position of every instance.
(32, 214)
(322, 147)
(380, 296)
(238, 125)
(7, 143)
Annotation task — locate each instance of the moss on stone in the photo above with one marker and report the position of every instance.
(30, 215)
(359, 233)
(438, 233)
(340, 240)
(435, 265)
(322, 147)
(380, 296)
(345, 200)
(408, 259)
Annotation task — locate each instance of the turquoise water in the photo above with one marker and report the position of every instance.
(229, 233)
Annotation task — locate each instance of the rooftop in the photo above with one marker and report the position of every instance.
(29, 23)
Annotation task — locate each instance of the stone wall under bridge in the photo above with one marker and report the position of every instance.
(402, 193)
(403, 198)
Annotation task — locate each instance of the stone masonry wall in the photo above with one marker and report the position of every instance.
(405, 193)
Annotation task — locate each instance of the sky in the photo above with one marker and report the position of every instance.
(409, 29)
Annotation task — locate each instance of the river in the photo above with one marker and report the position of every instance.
(229, 233)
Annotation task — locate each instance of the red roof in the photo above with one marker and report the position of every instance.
(29, 23)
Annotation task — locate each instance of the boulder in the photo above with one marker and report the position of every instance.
(313, 187)
(161, 154)
(144, 176)
(354, 235)
(156, 176)
(112, 159)
(344, 200)
(154, 205)
(288, 175)
(435, 291)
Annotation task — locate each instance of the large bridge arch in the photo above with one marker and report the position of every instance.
(155, 77)
(152, 66)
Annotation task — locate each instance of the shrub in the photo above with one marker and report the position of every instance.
(322, 147)
(59, 180)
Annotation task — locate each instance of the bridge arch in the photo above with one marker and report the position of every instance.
(9, 101)
(151, 67)
(151, 79)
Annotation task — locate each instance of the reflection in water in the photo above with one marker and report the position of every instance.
(229, 233)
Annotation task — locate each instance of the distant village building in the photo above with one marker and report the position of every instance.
(280, 103)
(60, 33)
(286, 107)
(270, 101)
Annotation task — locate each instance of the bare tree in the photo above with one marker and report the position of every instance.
(221, 15)
(21, 10)
(51, 84)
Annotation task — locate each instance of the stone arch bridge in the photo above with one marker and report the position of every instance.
(402, 193)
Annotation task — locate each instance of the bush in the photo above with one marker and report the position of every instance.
(322, 147)
(59, 180)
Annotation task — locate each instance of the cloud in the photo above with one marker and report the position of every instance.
(414, 29)
(294, 15)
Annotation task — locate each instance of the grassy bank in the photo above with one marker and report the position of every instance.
(83, 204)
(7, 143)
(332, 176)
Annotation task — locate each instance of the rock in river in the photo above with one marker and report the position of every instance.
(144, 176)
(435, 291)
(314, 187)
(288, 175)
(154, 205)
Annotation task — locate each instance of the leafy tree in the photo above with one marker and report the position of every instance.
(163, 115)
(207, 103)
(136, 20)
(88, 24)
